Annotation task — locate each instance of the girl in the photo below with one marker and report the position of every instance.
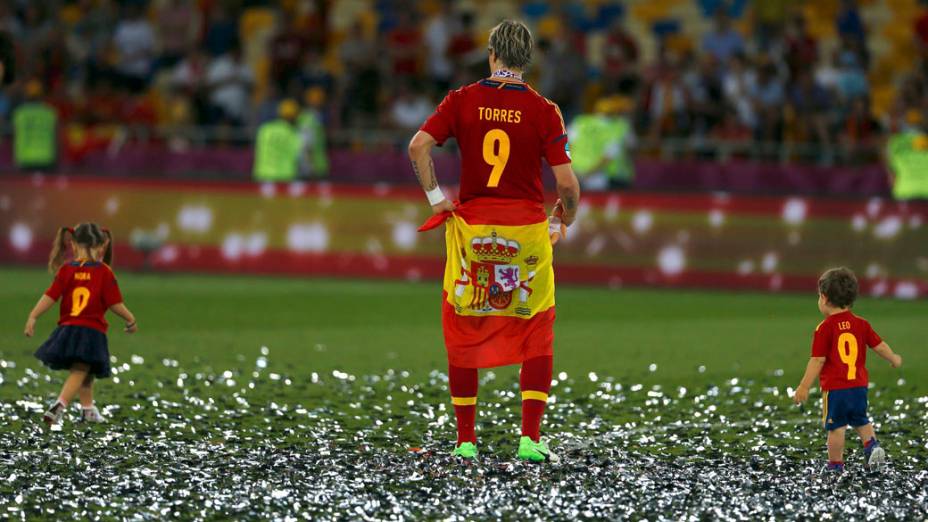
(87, 288)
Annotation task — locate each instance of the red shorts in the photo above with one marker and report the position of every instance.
(488, 342)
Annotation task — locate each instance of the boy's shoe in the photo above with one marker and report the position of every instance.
(465, 450)
(833, 467)
(55, 413)
(92, 414)
(874, 455)
(535, 451)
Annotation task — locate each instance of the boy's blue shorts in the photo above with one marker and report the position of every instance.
(843, 407)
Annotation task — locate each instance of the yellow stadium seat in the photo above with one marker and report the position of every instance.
(881, 100)
(70, 14)
(651, 11)
(548, 27)
(429, 7)
(255, 20)
(679, 44)
(262, 66)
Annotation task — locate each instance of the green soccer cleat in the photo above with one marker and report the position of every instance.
(535, 451)
(465, 450)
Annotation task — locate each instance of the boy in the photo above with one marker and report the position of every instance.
(841, 367)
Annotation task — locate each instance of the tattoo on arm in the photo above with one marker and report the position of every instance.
(428, 180)
(415, 168)
(433, 181)
(570, 203)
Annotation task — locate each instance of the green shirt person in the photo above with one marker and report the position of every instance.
(35, 124)
(599, 145)
(278, 144)
(907, 155)
(314, 159)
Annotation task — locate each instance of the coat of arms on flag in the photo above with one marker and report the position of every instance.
(498, 269)
(491, 272)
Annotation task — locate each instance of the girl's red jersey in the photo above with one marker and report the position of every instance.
(503, 129)
(842, 339)
(87, 291)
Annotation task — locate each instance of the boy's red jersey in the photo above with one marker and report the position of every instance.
(87, 290)
(503, 128)
(842, 339)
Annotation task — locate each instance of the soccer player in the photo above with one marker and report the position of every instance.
(498, 306)
(839, 360)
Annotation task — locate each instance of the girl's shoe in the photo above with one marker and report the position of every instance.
(92, 414)
(55, 413)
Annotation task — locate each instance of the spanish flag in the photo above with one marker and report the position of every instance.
(498, 293)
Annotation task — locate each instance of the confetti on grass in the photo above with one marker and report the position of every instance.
(184, 443)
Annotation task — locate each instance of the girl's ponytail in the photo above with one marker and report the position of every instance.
(108, 253)
(59, 249)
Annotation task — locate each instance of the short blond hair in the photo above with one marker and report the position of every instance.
(512, 43)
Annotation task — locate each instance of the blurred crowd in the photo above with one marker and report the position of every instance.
(747, 72)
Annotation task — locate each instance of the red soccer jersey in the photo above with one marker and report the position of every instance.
(87, 290)
(842, 340)
(503, 128)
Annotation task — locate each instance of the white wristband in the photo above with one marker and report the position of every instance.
(435, 196)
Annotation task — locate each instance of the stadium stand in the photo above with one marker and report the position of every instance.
(780, 81)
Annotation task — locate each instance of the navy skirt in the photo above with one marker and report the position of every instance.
(76, 344)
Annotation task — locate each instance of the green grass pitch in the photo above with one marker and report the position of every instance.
(271, 397)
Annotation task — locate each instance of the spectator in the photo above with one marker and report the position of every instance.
(438, 33)
(769, 19)
(704, 93)
(91, 34)
(45, 41)
(409, 109)
(360, 84)
(221, 32)
(724, 41)
(768, 98)
(801, 47)
(467, 57)
(314, 72)
(861, 132)
(620, 58)
(404, 44)
(731, 129)
(189, 78)
(314, 160)
(667, 100)
(810, 102)
(134, 40)
(9, 22)
(462, 45)
(921, 29)
(849, 23)
(267, 109)
(561, 66)
(739, 83)
(311, 21)
(229, 79)
(852, 80)
(178, 31)
(38, 28)
(828, 72)
(286, 54)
